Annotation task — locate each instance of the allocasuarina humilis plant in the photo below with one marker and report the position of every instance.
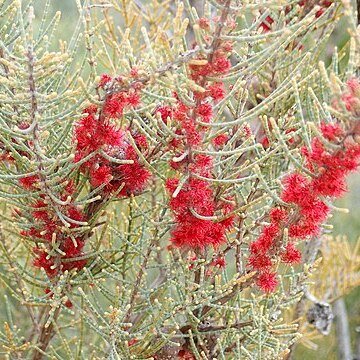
(167, 174)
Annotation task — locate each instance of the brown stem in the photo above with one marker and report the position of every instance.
(47, 333)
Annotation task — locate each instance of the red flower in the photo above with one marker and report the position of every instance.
(331, 131)
(221, 65)
(40, 214)
(266, 25)
(267, 281)
(260, 261)
(135, 176)
(217, 91)
(204, 23)
(43, 261)
(185, 355)
(105, 78)
(28, 182)
(278, 215)
(220, 139)
(165, 112)
(68, 304)
(291, 255)
(100, 176)
(219, 261)
(205, 111)
(133, 99)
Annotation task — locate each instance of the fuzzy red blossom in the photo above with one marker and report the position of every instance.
(220, 140)
(267, 281)
(115, 104)
(42, 212)
(100, 175)
(135, 176)
(90, 110)
(306, 195)
(278, 215)
(266, 25)
(28, 182)
(71, 247)
(192, 134)
(189, 230)
(296, 188)
(68, 304)
(217, 91)
(133, 99)
(303, 228)
(105, 78)
(205, 111)
(134, 73)
(75, 213)
(221, 65)
(196, 233)
(331, 132)
(219, 261)
(332, 167)
(185, 355)
(201, 164)
(165, 112)
(260, 262)
(204, 23)
(140, 140)
(227, 208)
(291, 255)
(194, 201)
(42, 260)
(93, 134)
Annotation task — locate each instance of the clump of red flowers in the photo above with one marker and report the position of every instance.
(266, 25)
(307, 210)
(351, 97)
(100, 145)
(193, 202)
(185, 355)
(191, 231)
(48, 230)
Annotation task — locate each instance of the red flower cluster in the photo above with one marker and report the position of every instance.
(28, 182)
(324, 4)
(351, 97)
(219, 65)
(309, 211)
(196, 197)
(48, 229)
(185, 355)
(95, 134)
(189, 230)
(266, 25)
(221, 140)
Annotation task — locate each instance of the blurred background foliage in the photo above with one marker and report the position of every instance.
(347, 224)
